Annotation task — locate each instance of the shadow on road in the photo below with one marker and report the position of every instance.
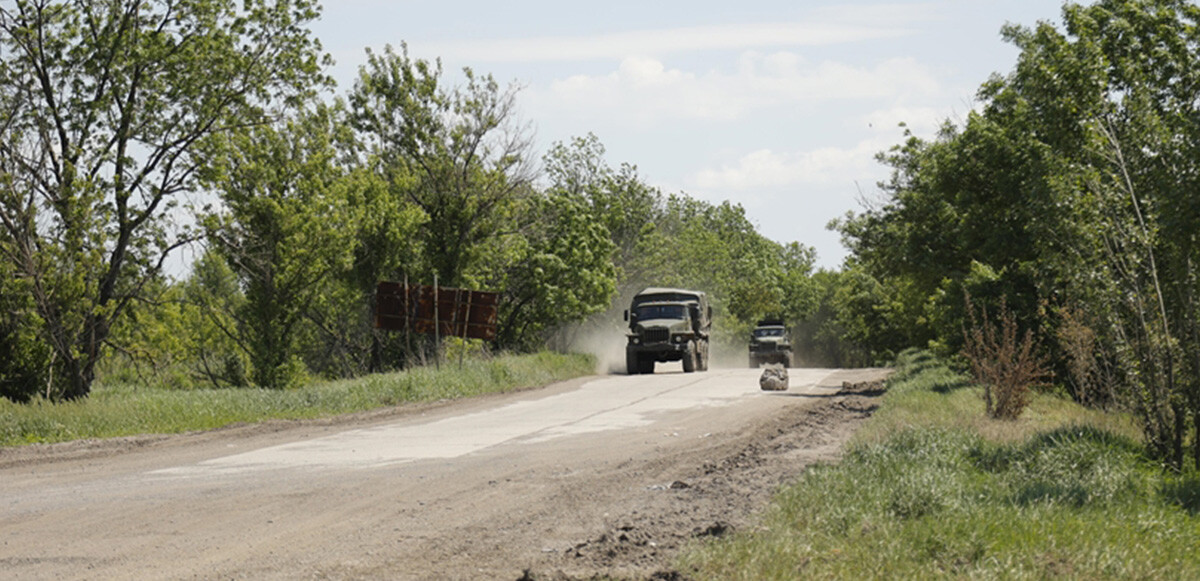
(804, 395)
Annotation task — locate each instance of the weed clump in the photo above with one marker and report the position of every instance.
(1006, 363)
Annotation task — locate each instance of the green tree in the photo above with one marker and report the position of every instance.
(101, 105)
(1113, 96)
(620, 199)
(212, 291)
(620, 202)
(287, 230)
(822, 337)
(457, 152)
(342, 340)
(22, 354)
(681, 241)
(801, 292)
(181, 335)
(716, 248)
(561, 269)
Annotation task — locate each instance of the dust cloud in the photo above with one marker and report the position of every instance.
(727, 355)
(602, 337)
(607, 345)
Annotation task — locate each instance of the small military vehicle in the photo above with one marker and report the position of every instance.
(769, 344)
(668, 324)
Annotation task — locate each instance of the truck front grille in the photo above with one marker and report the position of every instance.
(657, 335)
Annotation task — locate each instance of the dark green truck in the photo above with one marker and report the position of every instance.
(769, 344)
(668, 324)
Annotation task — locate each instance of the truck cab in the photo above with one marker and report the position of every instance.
(668, 325)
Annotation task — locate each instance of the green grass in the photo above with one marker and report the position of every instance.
(123, 410)
(931, 488)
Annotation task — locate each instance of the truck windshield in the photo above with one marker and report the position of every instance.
(768, 332)
(647, 312)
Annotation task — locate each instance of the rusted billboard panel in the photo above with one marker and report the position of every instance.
(458, 312)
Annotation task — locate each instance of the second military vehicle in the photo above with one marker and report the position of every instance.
(668, 324)
(769, 344)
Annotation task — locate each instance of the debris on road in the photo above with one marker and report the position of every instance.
(774, 378)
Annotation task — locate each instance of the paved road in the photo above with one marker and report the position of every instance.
(506, 477)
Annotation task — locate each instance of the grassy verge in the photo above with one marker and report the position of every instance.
(930, 488)
(123, 410)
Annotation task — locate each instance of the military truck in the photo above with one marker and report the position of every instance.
(769, 344)
(668, 324)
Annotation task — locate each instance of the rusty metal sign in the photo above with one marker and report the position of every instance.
(457, 312)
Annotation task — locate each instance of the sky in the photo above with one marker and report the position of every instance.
(779, 106)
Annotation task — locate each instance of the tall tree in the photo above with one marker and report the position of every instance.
(22, 354)
(287, 230)
(1113, 96)
(212, 291)
(558, 270)
(619, 198)
(462, 147)
(101, 105)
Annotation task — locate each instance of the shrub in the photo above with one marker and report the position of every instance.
(1005, 365)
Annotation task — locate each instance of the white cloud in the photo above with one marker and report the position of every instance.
(644, 89)
(767, 169)
(661, 42)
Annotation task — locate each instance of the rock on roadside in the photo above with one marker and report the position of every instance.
(774, 378)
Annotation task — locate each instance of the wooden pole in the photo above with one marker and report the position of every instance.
(408, 314)
(437, 327)
(466, 322)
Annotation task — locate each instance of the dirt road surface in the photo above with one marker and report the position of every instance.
(600, 476)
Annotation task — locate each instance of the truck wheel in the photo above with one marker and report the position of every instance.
(646, 366)
(702, 358)
(753, 363)
(689, 360)
(632, 363)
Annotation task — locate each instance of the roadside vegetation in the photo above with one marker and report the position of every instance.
(932, 487)
(212, 125)
(1064, 202)
(131, 409)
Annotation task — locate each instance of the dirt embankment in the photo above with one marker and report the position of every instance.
(719, 496)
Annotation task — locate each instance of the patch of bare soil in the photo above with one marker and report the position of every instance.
(718, 496)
